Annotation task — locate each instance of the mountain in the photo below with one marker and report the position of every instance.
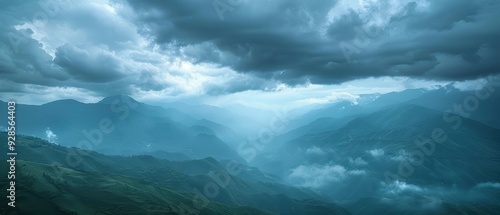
(319, 125)
(228, 135)
(410, 152)
(59, 190)
(341, 112)
(338, 110)
(372, 152)
(144, 184)
(231, 117)
(478, 105)
(121, 125)
(394, 98)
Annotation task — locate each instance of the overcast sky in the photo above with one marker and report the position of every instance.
(259, 52)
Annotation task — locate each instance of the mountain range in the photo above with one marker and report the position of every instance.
(418, 151)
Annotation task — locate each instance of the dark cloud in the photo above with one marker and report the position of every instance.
(88, 59)
(442, 16)
(139, 45)
(343, 28)
(22, 60)
(446, 40)
(89, 65)
(264, 37)
(239, 84)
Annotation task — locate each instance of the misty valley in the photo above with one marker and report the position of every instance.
(242, 107)
(416, 151)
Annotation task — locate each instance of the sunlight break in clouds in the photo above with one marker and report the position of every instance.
(331, 98)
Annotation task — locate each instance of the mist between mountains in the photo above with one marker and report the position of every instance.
(123, 105)
(453, 117)
(94, 137)
(248, 148)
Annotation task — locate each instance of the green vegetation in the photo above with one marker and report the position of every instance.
(102, 184)
(45, 189)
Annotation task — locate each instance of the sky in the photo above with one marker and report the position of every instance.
(260, 53)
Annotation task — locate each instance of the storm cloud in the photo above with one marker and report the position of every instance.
(107, 47)
(296, 41)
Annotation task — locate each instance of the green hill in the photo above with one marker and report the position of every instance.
(78, 175)
(46, 189)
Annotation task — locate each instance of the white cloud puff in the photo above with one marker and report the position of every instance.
(51, 136)
(376, 152)
(317, 176)
(358, 161)
(315, 150)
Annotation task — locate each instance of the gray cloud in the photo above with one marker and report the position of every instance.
(138, 45)
(358, 161)
(321, 176)
(448, 40)
(443, 16)
(343, 29)
(317, 176)
(72, 46)
(376, 152)
(89, 65)
(22, 60)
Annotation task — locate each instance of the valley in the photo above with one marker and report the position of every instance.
(394, 155)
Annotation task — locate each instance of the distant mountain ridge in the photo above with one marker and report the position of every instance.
(394, 153)
(134, 128)
(378, 144)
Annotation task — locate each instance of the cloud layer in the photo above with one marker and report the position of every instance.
(295, 41)
(106, 47)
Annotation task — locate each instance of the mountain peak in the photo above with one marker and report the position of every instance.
(64, 102)
(449, 87)
(110, 99)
